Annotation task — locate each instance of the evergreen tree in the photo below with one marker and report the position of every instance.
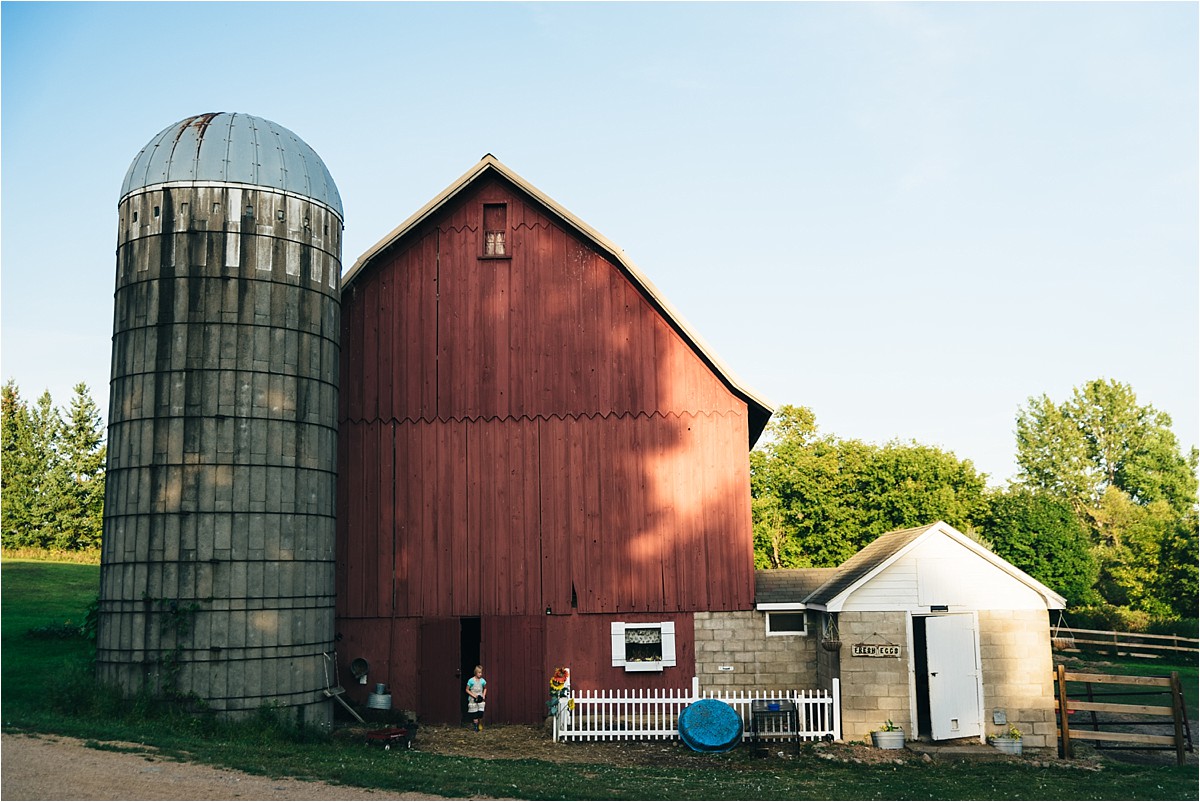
(14, 434)
(30, 462)
(79, 475)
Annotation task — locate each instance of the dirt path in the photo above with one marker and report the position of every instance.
(34, 767)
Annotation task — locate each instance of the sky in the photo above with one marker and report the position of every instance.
(910, 218)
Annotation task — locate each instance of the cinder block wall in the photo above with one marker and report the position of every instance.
(739, 640)
(874, 689)
(1014, 646)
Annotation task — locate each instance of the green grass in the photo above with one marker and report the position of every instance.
(48, 688)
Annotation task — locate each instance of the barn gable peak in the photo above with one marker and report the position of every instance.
(759, 409)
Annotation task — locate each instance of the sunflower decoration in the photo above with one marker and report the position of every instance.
(558, 689)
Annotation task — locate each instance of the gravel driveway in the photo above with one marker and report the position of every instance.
(53, 767)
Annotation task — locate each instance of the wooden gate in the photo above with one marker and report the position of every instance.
(1082, 700)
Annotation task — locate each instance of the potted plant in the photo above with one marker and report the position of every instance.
(1008, 741)
(889, 736)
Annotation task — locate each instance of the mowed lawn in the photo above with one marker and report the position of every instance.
(47, 688)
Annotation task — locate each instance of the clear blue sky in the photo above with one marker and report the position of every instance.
(908, 217)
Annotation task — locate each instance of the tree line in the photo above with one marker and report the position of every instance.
(51, 471)
(1103, 509)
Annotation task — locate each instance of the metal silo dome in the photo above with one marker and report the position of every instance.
(217, 565)
(233, 148)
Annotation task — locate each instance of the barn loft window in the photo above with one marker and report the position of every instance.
(495, 229)
(643, 647)
(786, 622)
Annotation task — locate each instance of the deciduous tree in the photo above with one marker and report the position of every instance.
(1043, 537)
(817, 499)
(1120, 467)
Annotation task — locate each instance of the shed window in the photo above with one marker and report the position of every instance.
(495, 229)
(786, 622)
(643, 647)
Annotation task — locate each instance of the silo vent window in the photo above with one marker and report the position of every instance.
(156, 211)
(135, 215)
(279, 214)
(216, 208)
(249, 211)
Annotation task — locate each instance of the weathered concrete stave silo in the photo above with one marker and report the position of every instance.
(217, 565)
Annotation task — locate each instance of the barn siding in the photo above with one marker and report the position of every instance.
(583, 643)
(514, 649)
(531, 432)
(575, 444)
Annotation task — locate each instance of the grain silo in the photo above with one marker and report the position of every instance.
(217, 577)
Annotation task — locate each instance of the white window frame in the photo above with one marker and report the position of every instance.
(803, 632)
(667, 632)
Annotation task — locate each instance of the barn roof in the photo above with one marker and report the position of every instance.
(759, 409)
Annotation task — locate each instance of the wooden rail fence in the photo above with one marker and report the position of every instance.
(1172, 715)
(1132, 644)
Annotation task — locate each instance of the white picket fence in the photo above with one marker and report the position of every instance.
(633, 715)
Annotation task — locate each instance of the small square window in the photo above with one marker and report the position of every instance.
(786, 622)
(495, 229)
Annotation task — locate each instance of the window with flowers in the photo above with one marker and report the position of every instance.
(643, 646)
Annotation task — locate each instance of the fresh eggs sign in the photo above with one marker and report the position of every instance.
(875, 650)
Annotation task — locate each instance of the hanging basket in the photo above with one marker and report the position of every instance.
(831, 645)
(1061, 637)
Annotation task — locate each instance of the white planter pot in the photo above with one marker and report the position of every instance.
(1009, 746)
(888, 739)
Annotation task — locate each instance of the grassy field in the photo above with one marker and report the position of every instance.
(47, 688)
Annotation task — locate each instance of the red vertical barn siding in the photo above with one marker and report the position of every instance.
(513, 656)
(527, 433)
(583, 643)
(442, 686)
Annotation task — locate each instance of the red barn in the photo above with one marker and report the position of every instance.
(540, 464)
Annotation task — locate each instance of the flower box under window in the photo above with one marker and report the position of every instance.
(644, 646)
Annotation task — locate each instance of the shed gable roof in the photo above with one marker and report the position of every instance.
(759, 409)
(828, 588)
(885, 550)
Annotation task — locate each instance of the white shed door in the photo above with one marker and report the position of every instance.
(953, 677)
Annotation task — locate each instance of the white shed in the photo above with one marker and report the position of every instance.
(928, 628)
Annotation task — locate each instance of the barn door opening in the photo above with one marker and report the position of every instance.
(469, 653)
(951, 677)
